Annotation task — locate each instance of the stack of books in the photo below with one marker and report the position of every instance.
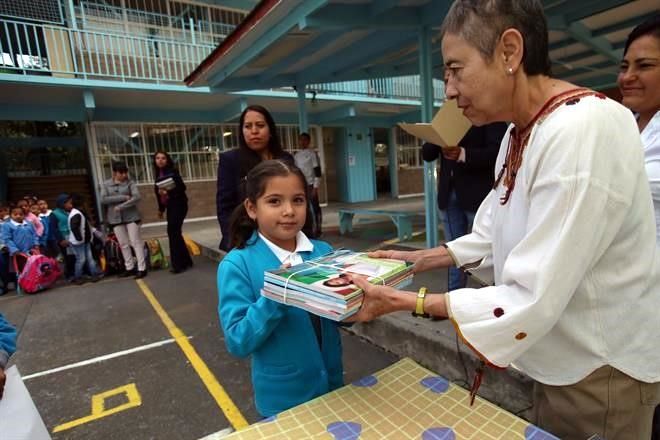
(324, 287)
(167, 184)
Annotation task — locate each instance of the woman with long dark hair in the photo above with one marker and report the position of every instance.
(258, 141)
(171, 196)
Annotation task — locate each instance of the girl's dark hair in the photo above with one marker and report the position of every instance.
(241, 226)
(248, 158)
(649, 27)
(169, 166)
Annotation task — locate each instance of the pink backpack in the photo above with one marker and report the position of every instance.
(39, 273)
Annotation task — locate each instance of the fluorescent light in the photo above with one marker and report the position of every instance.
(226, 133)
(135, 134)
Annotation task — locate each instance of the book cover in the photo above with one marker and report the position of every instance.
(446, 129)
(332, 274)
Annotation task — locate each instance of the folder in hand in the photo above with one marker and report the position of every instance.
(446, 129)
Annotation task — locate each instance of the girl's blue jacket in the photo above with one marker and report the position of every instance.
(19, 238)
(288, 368)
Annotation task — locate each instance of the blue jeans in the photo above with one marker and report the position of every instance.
(83, 254)
(456, 223)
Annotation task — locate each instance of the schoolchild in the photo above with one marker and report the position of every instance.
(295, 356)
(80, 239)
(4, 252)
(20, 238)
(28, 216)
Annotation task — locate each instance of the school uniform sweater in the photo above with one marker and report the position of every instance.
(19, 237)
(288, 368)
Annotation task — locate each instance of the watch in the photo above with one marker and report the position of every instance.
(419, 305)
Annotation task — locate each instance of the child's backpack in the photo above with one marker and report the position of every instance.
(39, 273)
(114, 260)
(155, 255)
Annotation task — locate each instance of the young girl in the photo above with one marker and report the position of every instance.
(296, 356)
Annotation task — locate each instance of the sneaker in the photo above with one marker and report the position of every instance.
(79, 281)
(140, 274)
(96, 278)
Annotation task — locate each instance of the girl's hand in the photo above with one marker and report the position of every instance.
(117, 208)
(162, 192)
(160, 215)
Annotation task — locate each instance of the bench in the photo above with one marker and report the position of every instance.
(402, 220)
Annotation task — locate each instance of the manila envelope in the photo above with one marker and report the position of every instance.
(446, 129)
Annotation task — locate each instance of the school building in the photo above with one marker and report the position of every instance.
(86, 82)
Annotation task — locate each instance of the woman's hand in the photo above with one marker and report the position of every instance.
(378, 301)
(162, 192)
(160, 215)
(422, 260)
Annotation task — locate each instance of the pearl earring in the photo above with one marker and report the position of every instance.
(509, 70)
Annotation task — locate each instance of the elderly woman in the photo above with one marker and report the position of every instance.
(567, 232)
(639, 82)
(120, 197)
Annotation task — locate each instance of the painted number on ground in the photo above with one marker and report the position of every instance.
(99, 410)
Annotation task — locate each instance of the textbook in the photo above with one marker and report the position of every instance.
(166, 184)
(446, 129)
(324, 286)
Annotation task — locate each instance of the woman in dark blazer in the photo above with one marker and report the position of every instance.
(257, 140)
(171, 196)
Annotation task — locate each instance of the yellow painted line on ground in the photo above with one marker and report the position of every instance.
(216, 390)
(98, 406)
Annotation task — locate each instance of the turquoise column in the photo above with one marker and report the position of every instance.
(393, 160)
(303, 121)
(430, 168)
(72, 14)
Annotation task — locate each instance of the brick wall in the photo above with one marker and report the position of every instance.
(201, 201)
(411, 181)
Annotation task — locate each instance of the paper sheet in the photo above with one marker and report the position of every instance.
(19, 418)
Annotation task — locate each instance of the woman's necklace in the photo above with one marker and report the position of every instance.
(519, 138)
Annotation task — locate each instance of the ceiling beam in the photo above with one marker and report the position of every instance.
(232, 111)
(274, 33)
(574, 11)
(343, 16)
(341, 112)
(375, 44)
(311, 48)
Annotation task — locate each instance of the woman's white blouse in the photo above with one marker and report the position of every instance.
(573, 254)
(651, 142)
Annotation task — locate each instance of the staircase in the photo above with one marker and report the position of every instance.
(49, 187)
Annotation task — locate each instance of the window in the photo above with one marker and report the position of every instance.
(194, 147)
(409, 150)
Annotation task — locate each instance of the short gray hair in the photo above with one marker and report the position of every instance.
(481, 23)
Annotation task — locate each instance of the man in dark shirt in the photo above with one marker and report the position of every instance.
(466, 177)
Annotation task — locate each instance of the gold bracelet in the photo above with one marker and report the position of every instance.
(419, 304)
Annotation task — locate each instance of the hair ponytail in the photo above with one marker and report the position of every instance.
(241, 227)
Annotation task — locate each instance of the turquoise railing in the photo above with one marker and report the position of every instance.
(41, 49)
(28, 48)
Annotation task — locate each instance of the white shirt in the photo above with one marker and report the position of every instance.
(286, 257)
(576, 269)
(651, 142)
(307, 160)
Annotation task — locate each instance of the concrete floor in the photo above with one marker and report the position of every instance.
(70, 324)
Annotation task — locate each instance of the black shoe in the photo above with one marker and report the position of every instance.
(96, 278)
(140, 274)
(173, 270)
(79, 281)
(128, 273)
